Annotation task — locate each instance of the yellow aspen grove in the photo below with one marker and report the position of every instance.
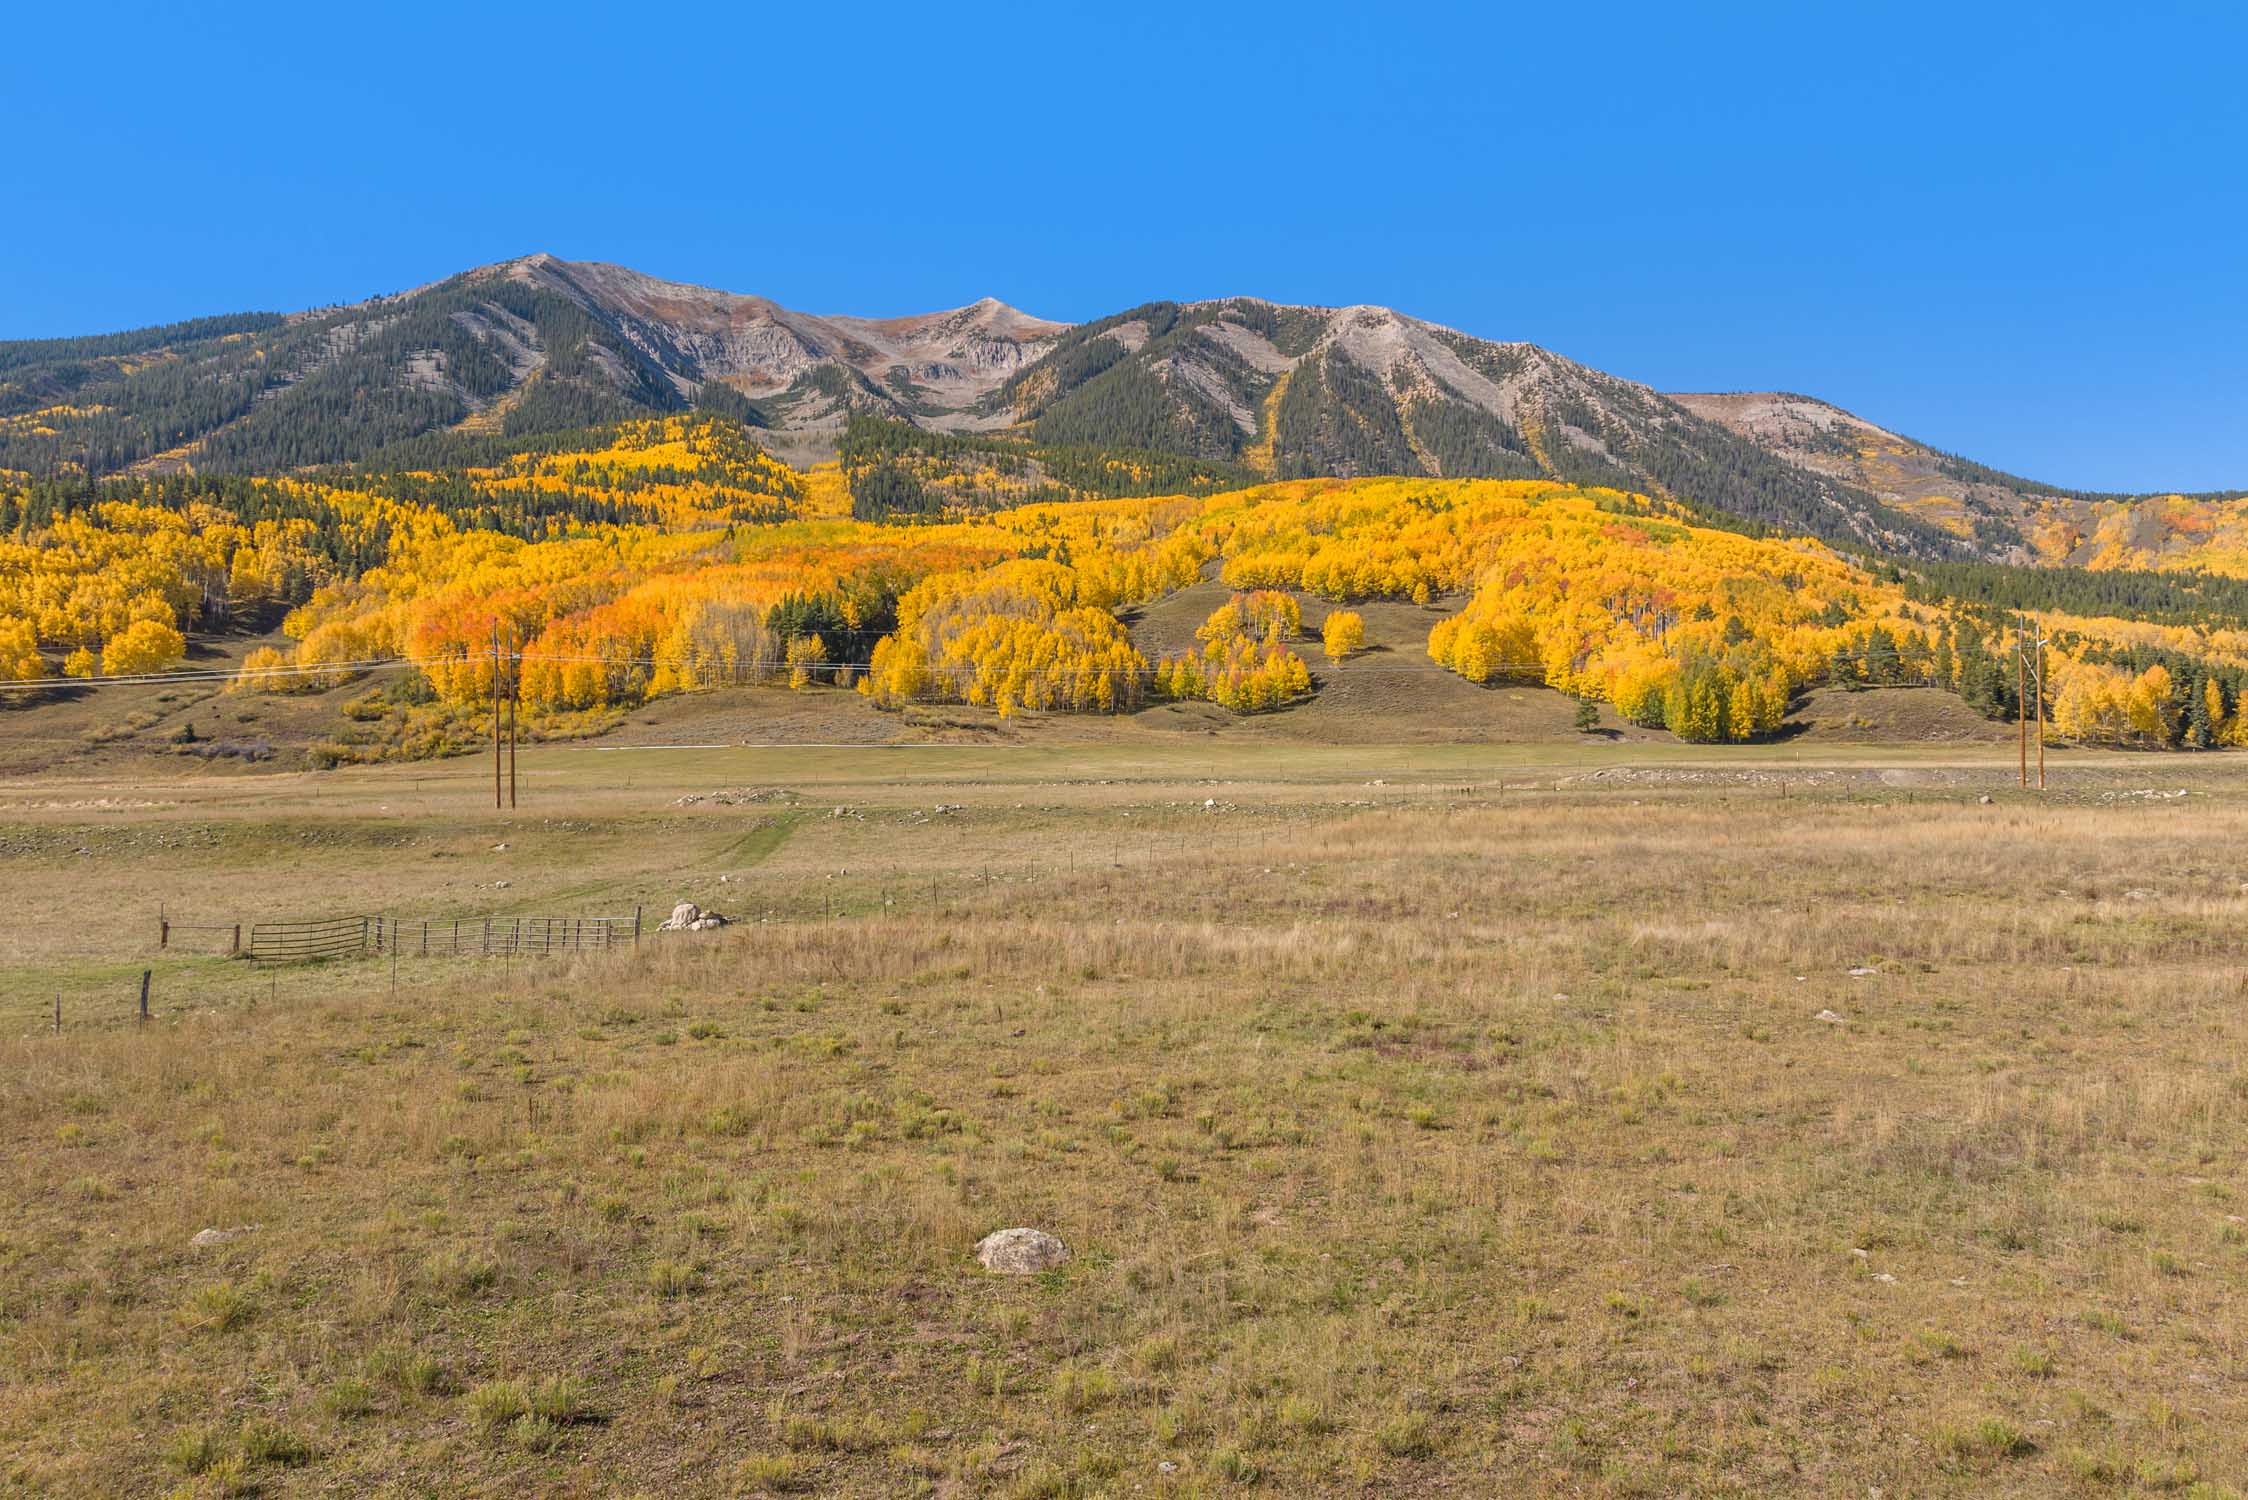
(2090, 706)
(674, 555)
(1244, 663)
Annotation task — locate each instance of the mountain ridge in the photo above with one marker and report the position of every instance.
(538, 344)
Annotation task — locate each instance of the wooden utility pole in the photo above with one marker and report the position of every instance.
(514, 709)
(2041, 708)
(2040, 673)
(2021, 694)
(496, 804)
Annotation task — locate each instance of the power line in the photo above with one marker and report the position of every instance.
(193, 675)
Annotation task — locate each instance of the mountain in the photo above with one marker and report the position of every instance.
(1998, 514)
(1299, 391)
(809, 369)
(989, 399)
(521, 349)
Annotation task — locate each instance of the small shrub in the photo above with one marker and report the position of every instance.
(419, 1374)
(496, 1403)
(1156, 1354)
(1304, 1415)
(194, 1450)
(270, 1443)
(216, 1308)
(533, 1433)
(809, 1434)
(349, 1398)
(560, 1400)
(1404, 1434)
(2035, 1363)
(777, 1473)
(227, 1477)
(1076, 1390)
(461, 1273)
(1042, 1481)
(1234, 1465)
(2107, 1323)
(671, 1278)
(1939, 1344)
(2094, 1468)
(1989, 1438)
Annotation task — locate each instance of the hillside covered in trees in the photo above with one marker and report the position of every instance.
(661, 556)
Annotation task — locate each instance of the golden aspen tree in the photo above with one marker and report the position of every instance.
(253, 679)
(806, 655)
(20, 660)
(143, 646)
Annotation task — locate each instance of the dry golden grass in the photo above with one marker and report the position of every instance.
(1410, 1138)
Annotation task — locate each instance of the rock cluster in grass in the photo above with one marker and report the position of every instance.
(1020, 1252)
(688, 917)
(737, 796)
(204, 1238)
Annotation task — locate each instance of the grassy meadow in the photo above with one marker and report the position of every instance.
(1541, 1120)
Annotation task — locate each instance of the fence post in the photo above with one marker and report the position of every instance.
(163, 933)
(145, 973)
(237, 948)
(636, 927)
(58, 1015)
(425, 937)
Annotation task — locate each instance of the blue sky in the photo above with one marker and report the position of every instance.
(2018, 232)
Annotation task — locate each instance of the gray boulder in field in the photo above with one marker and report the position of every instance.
(1020, 1252)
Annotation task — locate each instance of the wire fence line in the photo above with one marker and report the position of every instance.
(371, 935)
